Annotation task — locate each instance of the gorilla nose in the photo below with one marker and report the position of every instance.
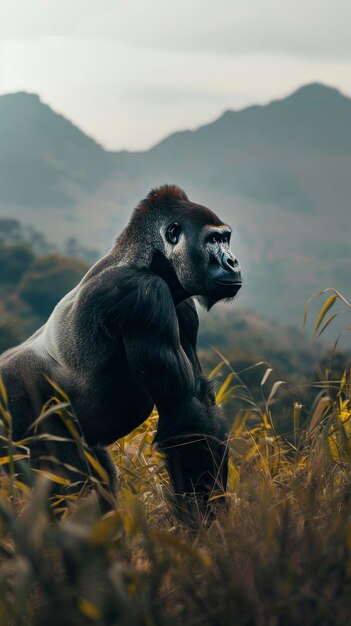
(231, 264)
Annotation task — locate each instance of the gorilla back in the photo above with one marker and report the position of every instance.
(125, 339)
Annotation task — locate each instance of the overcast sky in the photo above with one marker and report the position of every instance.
(129, 72)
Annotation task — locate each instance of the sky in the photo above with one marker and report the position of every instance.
(130, 72)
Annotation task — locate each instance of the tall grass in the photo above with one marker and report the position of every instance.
(280, 554)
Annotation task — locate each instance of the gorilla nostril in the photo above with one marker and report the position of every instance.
(231, 263)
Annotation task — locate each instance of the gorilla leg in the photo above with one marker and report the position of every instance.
(105, 459)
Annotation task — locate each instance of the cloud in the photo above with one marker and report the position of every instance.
(312, 28)
(304, 28)
(27, 19)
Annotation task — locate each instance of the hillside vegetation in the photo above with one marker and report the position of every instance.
(30, 287)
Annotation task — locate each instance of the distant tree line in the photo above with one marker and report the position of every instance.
(30, 287)
(14, 232)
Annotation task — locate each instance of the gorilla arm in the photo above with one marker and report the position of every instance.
(207, 450)
(160, 344)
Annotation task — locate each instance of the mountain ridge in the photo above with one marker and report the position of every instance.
(32, 97)
(36, 145)
(316, 89)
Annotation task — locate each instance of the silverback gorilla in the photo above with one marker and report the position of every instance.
(125, 339)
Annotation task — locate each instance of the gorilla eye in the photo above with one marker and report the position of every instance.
(173, 233)
(215, 238)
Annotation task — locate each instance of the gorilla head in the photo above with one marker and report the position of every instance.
(191, 247)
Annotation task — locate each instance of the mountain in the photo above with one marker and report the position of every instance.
(278, 173)
(44, 158)
(269, 153)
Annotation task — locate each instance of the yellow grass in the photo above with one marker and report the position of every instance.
(278, 554)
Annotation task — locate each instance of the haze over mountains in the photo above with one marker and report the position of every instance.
(280, 174)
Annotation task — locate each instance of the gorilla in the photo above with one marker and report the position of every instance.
(124, 340)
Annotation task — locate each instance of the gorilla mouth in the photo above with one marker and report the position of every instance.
(229, 283)
(221, 290)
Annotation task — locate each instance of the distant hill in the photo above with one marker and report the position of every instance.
(279, 173)
(44, 159)
(278, 153)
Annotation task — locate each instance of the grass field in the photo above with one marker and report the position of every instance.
(279, 554)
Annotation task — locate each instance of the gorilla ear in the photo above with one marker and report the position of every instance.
(173, 233)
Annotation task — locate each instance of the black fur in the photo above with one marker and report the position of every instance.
(125, 339)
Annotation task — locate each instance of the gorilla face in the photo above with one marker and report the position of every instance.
(201, 258)
(223, 269)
